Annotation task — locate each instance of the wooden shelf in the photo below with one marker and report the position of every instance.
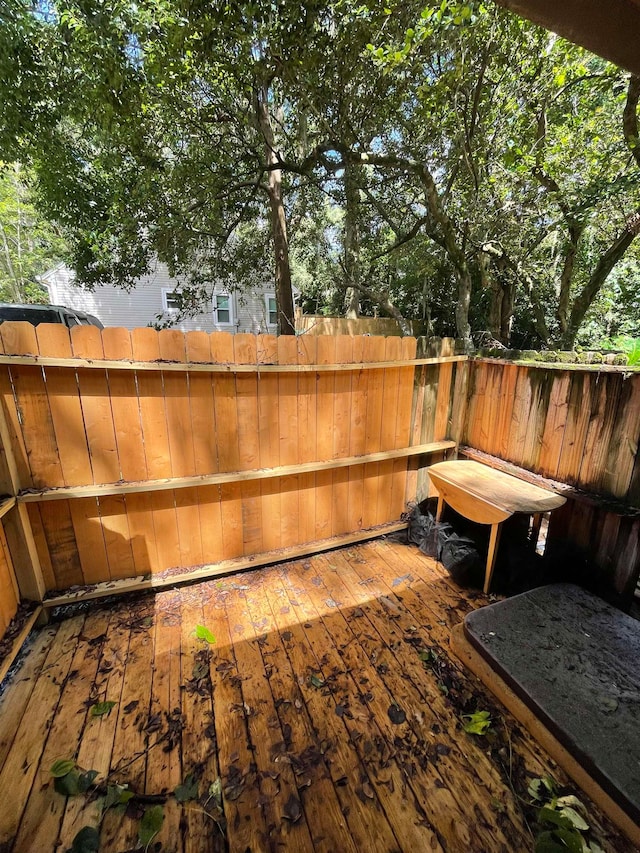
(198, 367)
(65, 493)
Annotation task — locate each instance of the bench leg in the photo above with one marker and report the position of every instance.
(494, 540)
(440, 508)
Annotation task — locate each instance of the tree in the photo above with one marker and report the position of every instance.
(440, 139)
(28, 245)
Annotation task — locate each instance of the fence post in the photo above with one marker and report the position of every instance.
(17, 526)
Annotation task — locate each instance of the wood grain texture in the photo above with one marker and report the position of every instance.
(289, 708)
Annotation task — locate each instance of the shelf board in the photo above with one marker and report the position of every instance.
(67, 492)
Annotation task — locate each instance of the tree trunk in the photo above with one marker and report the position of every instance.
(584, 299)
(570, 255)
(439, 216)
(496, 294)
(284, 291)
(506, 314)
(351, 241)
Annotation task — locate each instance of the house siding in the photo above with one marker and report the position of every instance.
(143, 306)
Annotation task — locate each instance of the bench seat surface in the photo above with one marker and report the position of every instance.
(575, 661)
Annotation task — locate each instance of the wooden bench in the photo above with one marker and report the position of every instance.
(486, 496)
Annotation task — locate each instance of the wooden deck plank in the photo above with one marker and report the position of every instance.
(132, 733)
(246, 821)
(20, 686)
(320, 800)
(41, 821)
(97, 739)
(347, 770)
(288, 708)
(388, 791)
(198, 745)
(21, 764)
(163, 772)
(278, 790)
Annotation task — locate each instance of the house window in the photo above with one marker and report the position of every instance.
(170, 300)
(222, 309)
(272, 309)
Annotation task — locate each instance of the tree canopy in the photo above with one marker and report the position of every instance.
(441, 161)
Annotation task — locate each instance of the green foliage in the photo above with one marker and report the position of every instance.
(150, 825)
(633, 354)
(117, 795)
(187, 790)
(87, 840)
(478, 723)
(415, 142)
(61, 767)
(100, 709)
(203, 633)
(29, 245)
(562, 820)
(71, 780)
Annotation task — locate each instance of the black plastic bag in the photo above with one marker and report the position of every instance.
(419, 526)
(460, 558)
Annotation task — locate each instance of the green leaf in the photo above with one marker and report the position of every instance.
(571, 839)
(550, 815)
(61, 767)
(102, 708)
(478, 723)
(117, 795)
(86, 841)
(69, 785)
(542, 789)
(188, 790)
(574, 818)
(150, 825)
(203, 633)
(317, 681)
(85, 780)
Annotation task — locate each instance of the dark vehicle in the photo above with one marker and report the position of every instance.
(36, 314)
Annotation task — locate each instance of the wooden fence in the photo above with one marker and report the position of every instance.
(142, 453)
(317, 324)
(577, 426)
(137, 459)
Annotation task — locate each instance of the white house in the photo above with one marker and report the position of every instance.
(151, 301)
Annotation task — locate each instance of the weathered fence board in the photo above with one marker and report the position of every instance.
(581, 427)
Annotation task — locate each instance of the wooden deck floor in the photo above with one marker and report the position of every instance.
(327, 712)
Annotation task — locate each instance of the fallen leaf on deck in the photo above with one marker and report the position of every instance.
(61, 767)
(188, 790)
(396, 714)
(368, 790)
(292, 809)
(203, 633)
(101, 708)
(478, 723)
(215, 792)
